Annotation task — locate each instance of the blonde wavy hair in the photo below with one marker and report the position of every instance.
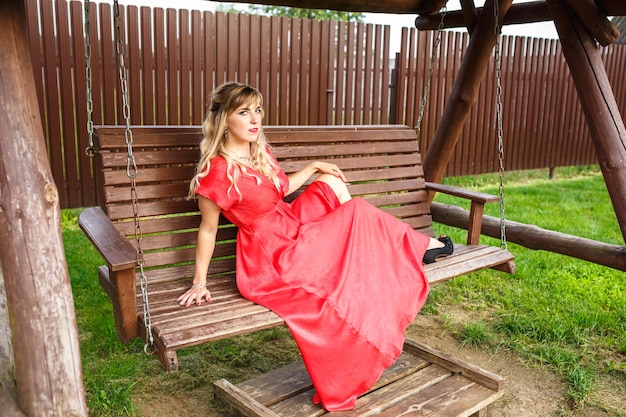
(225, 100)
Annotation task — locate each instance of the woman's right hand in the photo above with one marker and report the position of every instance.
(195, 294)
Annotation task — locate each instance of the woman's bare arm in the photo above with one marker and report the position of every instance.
(207, 233)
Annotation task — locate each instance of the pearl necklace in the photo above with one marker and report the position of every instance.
(245, 158)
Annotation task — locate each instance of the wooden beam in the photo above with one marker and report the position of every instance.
(533, 237)
(595, 21)
(518, 14)
(464, 92)
(612, 7)
(39, 298)
(598, 103)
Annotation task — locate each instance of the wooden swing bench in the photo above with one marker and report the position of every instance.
(382, 164)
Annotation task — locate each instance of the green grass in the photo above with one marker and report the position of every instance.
(563, 313)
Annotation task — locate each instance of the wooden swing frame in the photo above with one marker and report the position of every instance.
(24, 270)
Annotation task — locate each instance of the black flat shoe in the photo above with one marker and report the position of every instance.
(431, 255)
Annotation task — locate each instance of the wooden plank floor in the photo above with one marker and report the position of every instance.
(422, 382)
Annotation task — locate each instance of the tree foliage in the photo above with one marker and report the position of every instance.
(317, 14)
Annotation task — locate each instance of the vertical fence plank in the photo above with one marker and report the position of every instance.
(134, 65)
(160, 66)
(340, 82)
(210, 61)
(553, 104)
(265, 57)
(411, 96)
(509, 101)
(197, 106)
(85, 173)
(315, 80)
(254, 49)
(68, 126)
(186, 42)
(35, 44)
(357, 95)
(329, 30)
(291, 82)
(379, 82)
(147, 57)
(304, 101)
(172, 97)
(368, 72)
(232, 40)
(243, 61)
(348, 92)
(384, 84)
(275, 55)
(401, 65)
(50, 59)
(283, 72)
(110, 78)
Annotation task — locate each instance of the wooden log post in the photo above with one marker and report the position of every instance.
(536, 238)
(8, 404)
(603, 117)
(43, 326)
(464, 92)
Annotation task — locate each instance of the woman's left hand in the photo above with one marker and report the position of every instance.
(331, 169)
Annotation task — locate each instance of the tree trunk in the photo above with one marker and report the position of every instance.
(39, 299)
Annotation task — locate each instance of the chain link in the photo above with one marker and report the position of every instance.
(429, 77)
(90, 151)
(498, 69)
(131, 172)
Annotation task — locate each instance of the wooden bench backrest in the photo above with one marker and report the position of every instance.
(382, 164)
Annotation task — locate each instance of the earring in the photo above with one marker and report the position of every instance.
(226, 131)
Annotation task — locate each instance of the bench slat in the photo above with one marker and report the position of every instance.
(118, 177)
(341, 149)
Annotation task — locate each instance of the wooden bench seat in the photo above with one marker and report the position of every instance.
(382, 164)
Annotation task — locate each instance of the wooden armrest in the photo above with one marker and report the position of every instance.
(118, 253)
(477, 208)
(462, 192)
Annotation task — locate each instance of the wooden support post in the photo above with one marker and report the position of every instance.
(598, 103)
(39, 299)
(8, 404)
(464, 91)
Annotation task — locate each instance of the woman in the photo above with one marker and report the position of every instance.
(346, 277)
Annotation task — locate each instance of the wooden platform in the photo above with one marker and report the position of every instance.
(422, 382)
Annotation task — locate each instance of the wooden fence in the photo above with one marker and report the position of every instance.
(543, 123)
(310, 72)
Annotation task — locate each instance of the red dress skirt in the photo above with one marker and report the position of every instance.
(346, 278)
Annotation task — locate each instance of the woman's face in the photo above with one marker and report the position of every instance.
(244, 124)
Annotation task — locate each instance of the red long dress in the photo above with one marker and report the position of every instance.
(347, 279)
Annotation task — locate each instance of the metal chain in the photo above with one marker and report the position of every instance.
(90, 151)
(498, 69)
(131, 172)
(429, 77)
